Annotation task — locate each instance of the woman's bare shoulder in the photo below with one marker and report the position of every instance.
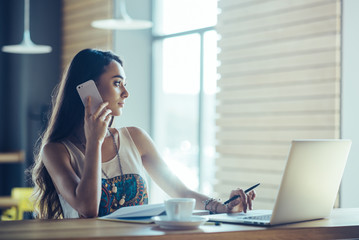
(54, 146)
(136, 132)
(142, 140)
(55, 150)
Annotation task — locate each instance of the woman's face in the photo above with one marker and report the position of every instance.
(111, 85)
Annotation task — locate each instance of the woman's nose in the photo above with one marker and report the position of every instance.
(124, 93)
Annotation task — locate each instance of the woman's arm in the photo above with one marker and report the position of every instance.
(82, 194)
(173, 186)
(158, 169)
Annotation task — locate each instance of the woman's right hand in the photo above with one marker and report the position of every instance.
(96, 124)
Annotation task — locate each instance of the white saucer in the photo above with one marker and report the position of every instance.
(192, 223)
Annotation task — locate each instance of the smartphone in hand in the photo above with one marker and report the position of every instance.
(89, 89)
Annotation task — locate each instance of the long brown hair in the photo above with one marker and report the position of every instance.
(67, 114)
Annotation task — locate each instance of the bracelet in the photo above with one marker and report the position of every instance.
(206, 202)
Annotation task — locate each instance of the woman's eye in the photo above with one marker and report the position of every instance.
(119, 83)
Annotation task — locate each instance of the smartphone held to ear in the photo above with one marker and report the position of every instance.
(89, 89)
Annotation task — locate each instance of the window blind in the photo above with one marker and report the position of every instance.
(279, 80)
(76, 27)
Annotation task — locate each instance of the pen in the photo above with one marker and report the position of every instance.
(212, 223)
(237, 196)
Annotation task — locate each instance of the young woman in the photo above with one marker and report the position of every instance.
(85, 168)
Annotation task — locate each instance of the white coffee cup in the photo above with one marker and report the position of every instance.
(179, 209)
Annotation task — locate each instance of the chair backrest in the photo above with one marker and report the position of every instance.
(24, 197)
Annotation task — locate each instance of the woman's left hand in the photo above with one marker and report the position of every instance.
(241, 204)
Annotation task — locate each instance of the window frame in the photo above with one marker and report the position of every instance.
(158, 38)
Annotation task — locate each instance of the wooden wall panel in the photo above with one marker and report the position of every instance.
(279, 80)
(76, 27)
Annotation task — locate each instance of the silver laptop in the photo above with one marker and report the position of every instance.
(309, 185)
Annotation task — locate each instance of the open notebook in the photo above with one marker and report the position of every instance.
(142, 213)
(138, 214)
(308, 188)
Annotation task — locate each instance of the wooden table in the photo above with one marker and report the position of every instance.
(12, 157)
(6, 203)
(343, 224)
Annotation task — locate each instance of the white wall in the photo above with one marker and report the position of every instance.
(135, 48)
(350, 101)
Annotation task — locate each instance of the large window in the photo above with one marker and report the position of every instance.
(184, 61)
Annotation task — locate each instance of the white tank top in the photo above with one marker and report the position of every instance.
(131, 186)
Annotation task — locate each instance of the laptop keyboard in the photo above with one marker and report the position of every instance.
(259, 217)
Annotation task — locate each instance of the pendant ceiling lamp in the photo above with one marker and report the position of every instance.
(27, 46)
(123, 22)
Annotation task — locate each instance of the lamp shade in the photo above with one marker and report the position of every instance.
(123, 22)
(27, 46)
